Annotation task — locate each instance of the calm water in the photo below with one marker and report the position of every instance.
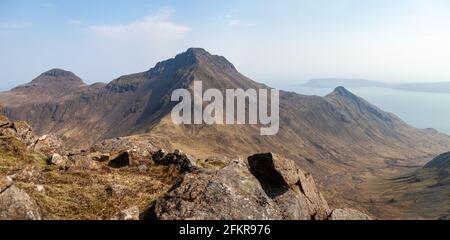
(419, 109)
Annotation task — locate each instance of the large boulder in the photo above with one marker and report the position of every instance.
(229, 193)
(264, 188)
(58, 160)
(16, 204)
(82, 161)
(49, 144)
(290, 187)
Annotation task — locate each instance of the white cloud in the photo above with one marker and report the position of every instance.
(152, 28)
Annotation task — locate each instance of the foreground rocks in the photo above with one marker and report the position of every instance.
(116, 178)
(268, 187)
(20, 130)
(16, 204)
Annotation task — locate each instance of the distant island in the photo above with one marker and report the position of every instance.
(437, 87)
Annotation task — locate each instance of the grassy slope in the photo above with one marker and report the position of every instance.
(81, 194)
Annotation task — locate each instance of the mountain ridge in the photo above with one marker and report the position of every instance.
(341, 138)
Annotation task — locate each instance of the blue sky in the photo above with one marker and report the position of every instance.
(275, 42)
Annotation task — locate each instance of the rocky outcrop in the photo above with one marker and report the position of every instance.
(268, 187)
(57, 160)
(177, 158)
(292, 189)
(49, 144)
(16, 204)
(229, 193)
(22, 131)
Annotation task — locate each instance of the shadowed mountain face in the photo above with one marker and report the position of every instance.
(340, 138)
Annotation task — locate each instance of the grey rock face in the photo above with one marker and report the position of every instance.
(293, 190)
(229, 193)
(15, 204)
(57, 160)
(268, 187)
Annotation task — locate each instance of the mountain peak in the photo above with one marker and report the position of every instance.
(58, 76)
(197, 51)
(54, 81)
(342, 92)
(203, 57)
(56, 72)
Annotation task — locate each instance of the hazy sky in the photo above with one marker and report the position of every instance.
(270, 41)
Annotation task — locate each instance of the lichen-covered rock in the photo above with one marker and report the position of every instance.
(57, 160)
(24, 131)
(49, 144)
(139, 148)
(5, 182)
(267, 187)
(16, 204)
(29, 173)
(348, 214)
(127, 214)
(19, 130)
(229, 193)
(271, 188)
(81, 161)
